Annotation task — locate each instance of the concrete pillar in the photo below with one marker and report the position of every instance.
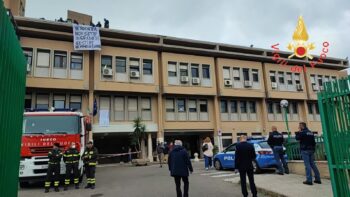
(150, 147)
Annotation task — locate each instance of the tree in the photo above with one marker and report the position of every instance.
(139, 136)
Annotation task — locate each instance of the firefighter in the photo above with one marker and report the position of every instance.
(71, 158)
(53, 171)
(90, 158)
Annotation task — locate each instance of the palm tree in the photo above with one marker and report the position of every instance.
(139, 136)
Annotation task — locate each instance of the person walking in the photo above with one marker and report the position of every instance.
(275, 141)
(160, 152)
(244, 157)
(71, 158)
(54, 167)
(171, 147)
(307, 148)
(90, 159)
(207, 149)
(166, 152)
(179, 166)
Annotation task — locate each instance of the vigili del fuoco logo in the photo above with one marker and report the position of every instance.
(300, 48)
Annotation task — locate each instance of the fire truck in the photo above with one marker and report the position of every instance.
(40, 131)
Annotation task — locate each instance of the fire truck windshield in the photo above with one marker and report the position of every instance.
(51, 124)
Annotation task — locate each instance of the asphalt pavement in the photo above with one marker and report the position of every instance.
(148, 181)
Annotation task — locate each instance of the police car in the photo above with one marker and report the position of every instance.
(264, 156)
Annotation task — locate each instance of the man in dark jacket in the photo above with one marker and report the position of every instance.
(244, 157)
(276, 143)
(71, 158)
(179, 164)
(307, 148)
(160, 152)
(90, 160)
(54, 167)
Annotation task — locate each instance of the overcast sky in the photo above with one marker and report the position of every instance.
(244, 22)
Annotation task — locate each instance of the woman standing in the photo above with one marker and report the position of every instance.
(208, 153)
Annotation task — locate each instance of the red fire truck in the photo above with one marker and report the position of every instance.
(40, 131)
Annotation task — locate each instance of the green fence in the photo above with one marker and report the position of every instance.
(334, 104)
(293, 150)
(12, 90)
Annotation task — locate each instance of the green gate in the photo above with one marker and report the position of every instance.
(12, 90)
(334, 104)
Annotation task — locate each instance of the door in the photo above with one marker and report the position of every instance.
(229, 157)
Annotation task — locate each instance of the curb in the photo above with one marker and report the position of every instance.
(262, 190)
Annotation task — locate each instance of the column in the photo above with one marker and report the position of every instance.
(149, 147)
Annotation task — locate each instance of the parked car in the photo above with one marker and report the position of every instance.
(264, 156)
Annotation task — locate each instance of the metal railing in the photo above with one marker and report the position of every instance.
(293, 150)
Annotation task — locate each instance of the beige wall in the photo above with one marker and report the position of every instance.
(17, 7)
(134, 86)
(185, 89)
(56, 83)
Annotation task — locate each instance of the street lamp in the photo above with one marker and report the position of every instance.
(284, 105)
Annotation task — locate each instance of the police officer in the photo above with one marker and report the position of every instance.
(90, 158)
(276, 142)
(71, 158)
(53, 171)
(307, 148)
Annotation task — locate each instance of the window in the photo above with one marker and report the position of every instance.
(181, 105)
(146, 108)
(245, 74)
(206, 71)
(236, 74)
(169, 105)
(104, 103)
(278, 108)
(297, 78)
(316, 108)
(132, 108)
(134, 64)
(28, 101)
(233, 106)
(106, 62)
(255, 73)
(119, 108)
(226, 72)
(281, 77)
(326, 78)
(147, 67)
(224, 106)
(184, 69)
(75, 102)
(243, 105)
(270, 107)
(43, 58)
(59, 101)
(192, 105)
(295, 107)
(313, 79)
(320, 81)
(120, 64)
(194, 70)
(203, 105)
(252, 107)
(42, 101)
(76, 61)
(310, 108)
(28, 54)
(334, 78)
(60, 60)
(289, 79)
(172, 69)
(273, 76)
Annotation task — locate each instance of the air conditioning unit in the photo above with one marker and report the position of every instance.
(315, 87)
(195, 80)
(228, 82)
(28, 67)
(274, 85)
(299, 87)
(107, 72)
(184, 79)
(248, 83)
(135, 74)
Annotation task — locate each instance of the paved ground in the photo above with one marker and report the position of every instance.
(149, 181)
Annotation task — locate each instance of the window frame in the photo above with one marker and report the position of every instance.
(255, 75)
(63, 57)
(72, 54)
(205, 67)
(149, 71)
(119, 59)
(171, 71)
(47, 51)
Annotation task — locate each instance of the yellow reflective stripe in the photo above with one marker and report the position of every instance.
(47, 184)
(91, 152)
(76, 155)
(92, 164)
(68, 155)
(57, 183)
(93, 181)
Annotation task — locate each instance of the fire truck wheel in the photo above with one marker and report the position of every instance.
(23, 184)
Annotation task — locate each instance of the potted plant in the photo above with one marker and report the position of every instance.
(138, 139)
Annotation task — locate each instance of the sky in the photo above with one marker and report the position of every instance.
(238, 22)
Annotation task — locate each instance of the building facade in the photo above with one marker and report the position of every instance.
(182, 89)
